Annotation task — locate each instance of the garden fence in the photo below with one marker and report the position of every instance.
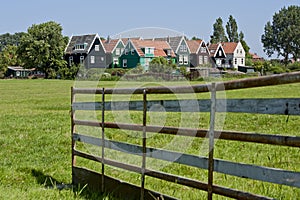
(105, 183)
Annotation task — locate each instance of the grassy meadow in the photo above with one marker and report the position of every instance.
(35, 154)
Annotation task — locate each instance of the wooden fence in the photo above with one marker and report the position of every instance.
(102, 182)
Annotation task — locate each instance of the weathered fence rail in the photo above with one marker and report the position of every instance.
(100, 181)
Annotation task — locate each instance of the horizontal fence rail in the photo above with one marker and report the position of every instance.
(287, 78)
(282, 106)
(271, 175)
(272, 106)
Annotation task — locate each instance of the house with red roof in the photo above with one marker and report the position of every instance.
(199, 55)
(114, 49)
(143, 51)
(235, 54)
(180, 47)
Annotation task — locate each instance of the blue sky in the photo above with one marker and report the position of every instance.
(191, 17)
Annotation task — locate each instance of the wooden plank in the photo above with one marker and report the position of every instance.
(93, 180)
(285, 78)
(293, 141)
(266, 174)
(279, 106)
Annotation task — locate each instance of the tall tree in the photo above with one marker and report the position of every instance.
(232, 30)
(43, 47)
(243, 42)
(282, 35)
(218, 32)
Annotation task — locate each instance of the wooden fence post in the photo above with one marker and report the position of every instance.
(103, 140)
(72, 115)
(144, 144)
(211, 141)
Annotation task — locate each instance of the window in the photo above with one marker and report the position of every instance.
(186, 59)
(92, 59)
(205, 58)
(169, 52)
(70, 60)
(81, 59)
(126, 51)
(132, 51)
(235, 61)
(125, 63)
(117, 51)
(200, 60)
(241, 52)
(183, 48)
(97, 47)
(116, 61)
(180, 60)
(102, 59)
(202, 50)
(220, 53)
(80, 46)
(242, 61)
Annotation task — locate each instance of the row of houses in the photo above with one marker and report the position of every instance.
(94, 52)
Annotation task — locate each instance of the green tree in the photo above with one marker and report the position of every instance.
(10, 39)
(232, 30)
(282, 35)
(218, 32)
(9, 57)
(43, 47)
(244, 44)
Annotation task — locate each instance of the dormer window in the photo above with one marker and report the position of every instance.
(149, 50)
(80, 46)
(169, 52)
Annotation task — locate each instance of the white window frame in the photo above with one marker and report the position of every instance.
(118, 51)
(180, 60)
(124, 63)
(81, 59)
(71, 60)
(205, 59)
(97, 47)
(185, 59)
(132, 51)
(126, 52)
(92, 59)
(200, 60)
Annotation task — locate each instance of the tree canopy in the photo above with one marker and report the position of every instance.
(42, 47)
(10, 39)
(282, 35)
(232, 30)
(218, 32)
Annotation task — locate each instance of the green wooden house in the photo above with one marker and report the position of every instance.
(143, 51)
(114, 49)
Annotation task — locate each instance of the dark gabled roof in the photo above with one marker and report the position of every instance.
(173, 41)
(80, 39)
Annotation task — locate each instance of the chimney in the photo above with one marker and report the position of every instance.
(108, 39)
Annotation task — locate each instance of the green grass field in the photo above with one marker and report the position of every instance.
(35, 142)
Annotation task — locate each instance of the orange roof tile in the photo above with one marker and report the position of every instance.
(229, 47)
(109, 45)
(159, 47)
(194, 45)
